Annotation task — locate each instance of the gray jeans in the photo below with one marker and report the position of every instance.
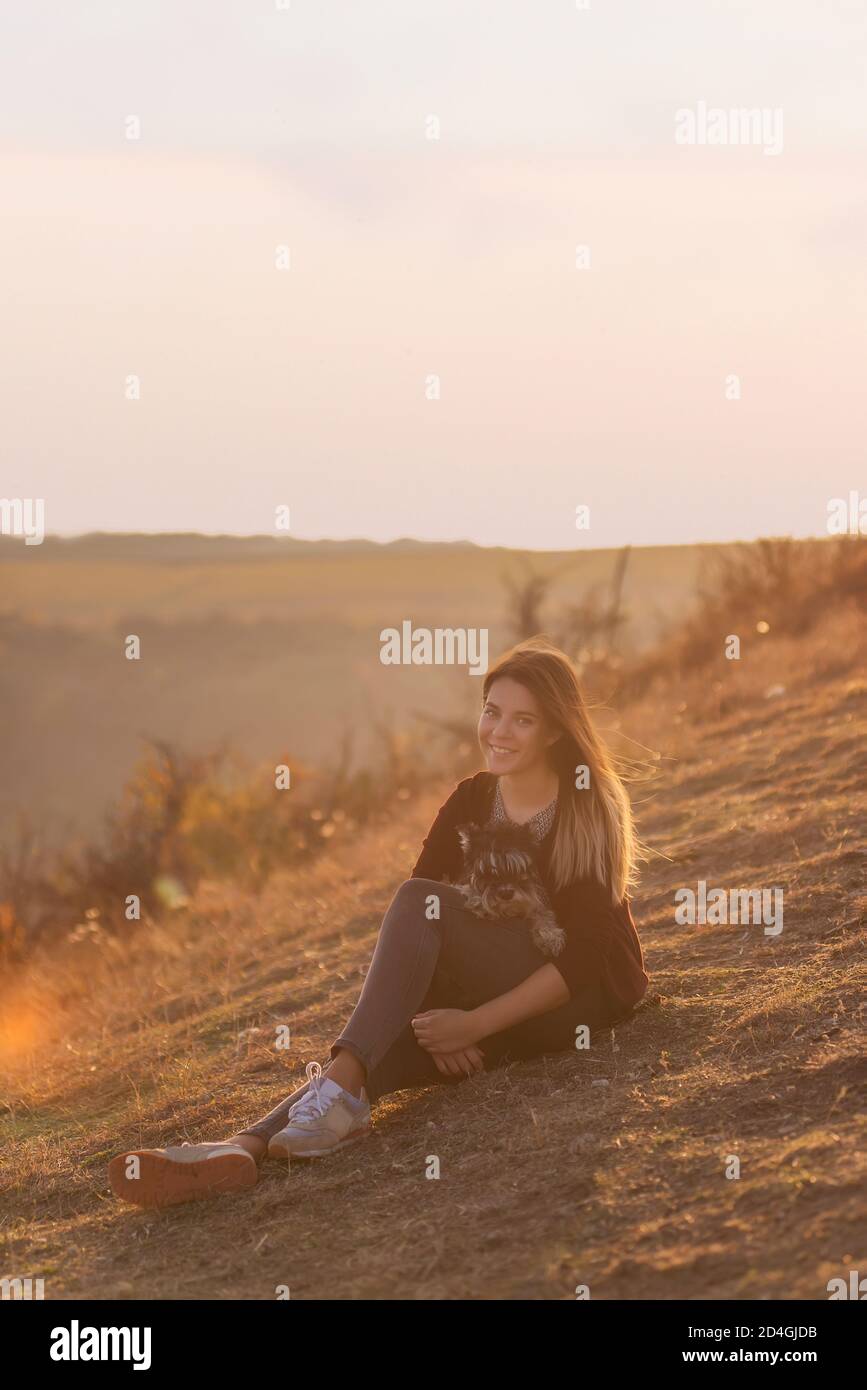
(458, 962)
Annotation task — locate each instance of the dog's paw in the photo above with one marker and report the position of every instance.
(550, 940)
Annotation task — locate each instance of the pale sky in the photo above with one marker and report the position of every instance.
(413, 257)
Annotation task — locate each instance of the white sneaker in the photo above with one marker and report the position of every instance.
(327, 1118)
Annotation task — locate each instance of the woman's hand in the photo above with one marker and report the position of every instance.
(446, 1030)
(460, 1063)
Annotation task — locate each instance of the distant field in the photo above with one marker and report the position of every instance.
(271, 645)
(95, 581)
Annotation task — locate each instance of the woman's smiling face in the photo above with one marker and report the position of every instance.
(513, 733)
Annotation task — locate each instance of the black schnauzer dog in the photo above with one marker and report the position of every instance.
(500, 879)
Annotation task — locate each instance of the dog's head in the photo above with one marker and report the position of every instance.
(499, 866)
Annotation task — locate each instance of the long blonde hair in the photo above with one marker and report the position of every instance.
(595, 835)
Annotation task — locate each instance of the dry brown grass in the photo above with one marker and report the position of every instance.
(604, 1168)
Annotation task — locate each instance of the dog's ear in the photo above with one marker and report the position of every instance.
(468, 835)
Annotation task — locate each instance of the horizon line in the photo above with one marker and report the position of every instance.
(73, 536)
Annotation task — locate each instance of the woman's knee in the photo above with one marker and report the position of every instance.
(417, 898)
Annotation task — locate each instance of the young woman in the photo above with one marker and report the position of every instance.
(447, 995)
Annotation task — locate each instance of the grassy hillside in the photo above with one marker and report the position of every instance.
(603, 1168)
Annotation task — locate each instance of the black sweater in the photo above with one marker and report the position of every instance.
(602, 948)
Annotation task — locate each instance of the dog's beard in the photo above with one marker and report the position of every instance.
(487, 900)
